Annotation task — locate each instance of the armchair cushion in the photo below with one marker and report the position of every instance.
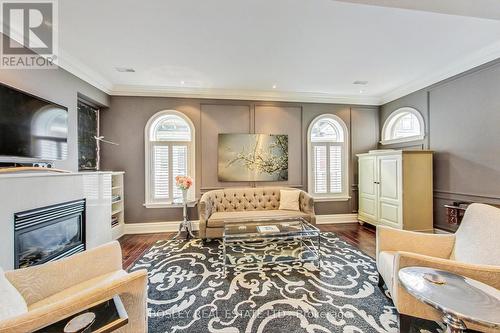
(478, 238)
(11, 302)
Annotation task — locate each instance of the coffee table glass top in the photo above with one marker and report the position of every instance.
(278, 240)
(463, 297)
(253, 228)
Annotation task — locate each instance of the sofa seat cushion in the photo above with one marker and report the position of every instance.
(385, 266)
(88, 285)
(216, 220)
(11, 302)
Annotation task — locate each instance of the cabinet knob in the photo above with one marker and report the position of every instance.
(376, 182)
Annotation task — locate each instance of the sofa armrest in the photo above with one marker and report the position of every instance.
(409, 305)
(205, 207)
(205, 210)
(39, 282)
(306, 203)
(131, 288)
(434, 245)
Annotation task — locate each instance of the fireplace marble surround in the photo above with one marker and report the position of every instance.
(24, 191)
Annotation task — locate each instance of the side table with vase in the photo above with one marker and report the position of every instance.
(184, 183)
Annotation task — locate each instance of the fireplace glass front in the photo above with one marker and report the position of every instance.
(49, 233)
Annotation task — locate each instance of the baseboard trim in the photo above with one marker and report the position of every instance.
(155, 227)
(173, 226)
(336, 218)
(118, 231)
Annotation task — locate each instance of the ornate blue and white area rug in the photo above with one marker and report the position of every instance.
(188, 292)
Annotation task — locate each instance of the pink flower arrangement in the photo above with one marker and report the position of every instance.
(183, 182)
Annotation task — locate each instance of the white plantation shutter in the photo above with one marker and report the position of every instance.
(179, 166)
(335, 169)
(169, 139)
(320, 170)
(327, 157)
(160, 172)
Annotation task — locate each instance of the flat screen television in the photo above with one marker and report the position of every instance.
(31, 127)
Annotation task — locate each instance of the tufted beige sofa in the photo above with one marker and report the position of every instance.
(218, 206)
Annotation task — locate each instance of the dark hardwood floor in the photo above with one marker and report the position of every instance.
(363, 237)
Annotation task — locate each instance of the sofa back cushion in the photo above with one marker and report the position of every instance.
(11, 302)
(248, 198)
(478, 237)
(289, 200)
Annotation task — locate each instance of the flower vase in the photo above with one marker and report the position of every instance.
(184, 196)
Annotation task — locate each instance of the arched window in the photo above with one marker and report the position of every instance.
(403, 125)
(327, 158)
(169, 146)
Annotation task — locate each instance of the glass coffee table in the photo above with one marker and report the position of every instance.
(278, 240)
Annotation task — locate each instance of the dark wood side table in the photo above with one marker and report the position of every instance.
(109, 316)
(458, 298)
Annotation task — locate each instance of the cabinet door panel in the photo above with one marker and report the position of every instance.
(389, 213)
(390, 187)
(367, 187)
(389, 178)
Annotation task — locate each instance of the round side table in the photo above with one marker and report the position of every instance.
(186, 224)
(457, 297)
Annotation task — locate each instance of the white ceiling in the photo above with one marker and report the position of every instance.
(476, 8)
(312, 50)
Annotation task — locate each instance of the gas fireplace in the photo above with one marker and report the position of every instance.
(49, 233)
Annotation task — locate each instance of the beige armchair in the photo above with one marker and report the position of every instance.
(218, 206)
(473, 251)
(56, 290)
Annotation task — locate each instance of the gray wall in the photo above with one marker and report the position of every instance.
(61, 87)
(462, 116)
(126, 118)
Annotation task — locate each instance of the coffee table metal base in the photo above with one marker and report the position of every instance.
(453, 324)
(309, 246)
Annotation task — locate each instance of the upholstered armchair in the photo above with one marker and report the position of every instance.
(473, 251)
(234, 204)
(59, 289)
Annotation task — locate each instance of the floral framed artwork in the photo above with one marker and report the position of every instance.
(252, 157)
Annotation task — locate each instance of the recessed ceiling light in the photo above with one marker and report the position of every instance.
(363, 83)
(182, 82)
(361, 91)
(125, 70)
(274, 86)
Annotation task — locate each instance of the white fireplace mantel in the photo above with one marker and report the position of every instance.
(24, 191)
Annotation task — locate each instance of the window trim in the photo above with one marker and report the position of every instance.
(388, 126)
(148, 144)
(344, 195)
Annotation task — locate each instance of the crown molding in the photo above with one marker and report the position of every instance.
(473, 60)
(251, 95)
(83, 72)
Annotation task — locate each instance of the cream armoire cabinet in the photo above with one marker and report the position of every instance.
(395, 189)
